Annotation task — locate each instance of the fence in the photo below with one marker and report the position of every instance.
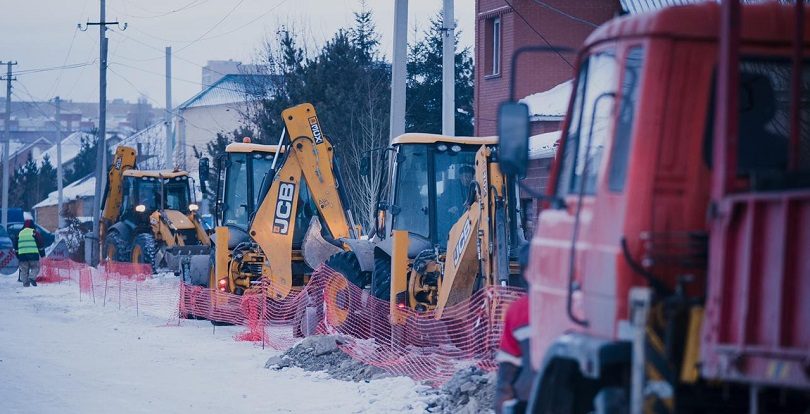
(420, 345)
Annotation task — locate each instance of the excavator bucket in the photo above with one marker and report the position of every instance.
(315, 248)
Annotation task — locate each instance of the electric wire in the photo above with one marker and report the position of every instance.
(538, 33)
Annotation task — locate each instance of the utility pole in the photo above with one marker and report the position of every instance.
(6, 141)
(399, 68)
(59, 161)
(167, 118)
(448, 70)
(92, 252)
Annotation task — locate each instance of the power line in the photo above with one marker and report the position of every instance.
(189, 5)
(570, 16)
(63, 67)
(215, 25)
(538, 33)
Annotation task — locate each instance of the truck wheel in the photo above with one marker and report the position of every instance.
(342, 306)
(381, 279)
(144, 248)
(115, 247)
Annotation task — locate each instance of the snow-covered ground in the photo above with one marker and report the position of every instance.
(60, 355)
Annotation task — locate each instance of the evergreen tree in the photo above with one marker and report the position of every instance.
(46, 179)
(424, 93)
(24, 188)
(349, 85)
(86, 160)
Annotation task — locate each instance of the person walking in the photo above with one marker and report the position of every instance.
(29, 250)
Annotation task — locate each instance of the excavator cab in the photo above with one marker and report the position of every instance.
(150, 216)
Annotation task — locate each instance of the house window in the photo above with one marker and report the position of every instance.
(492, 48)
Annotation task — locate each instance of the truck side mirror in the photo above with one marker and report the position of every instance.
(513, 142)
(365, 166)
(379, 219)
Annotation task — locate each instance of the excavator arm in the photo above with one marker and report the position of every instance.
(114, 191)
(311, 157)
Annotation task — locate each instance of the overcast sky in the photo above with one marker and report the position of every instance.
(41, 34)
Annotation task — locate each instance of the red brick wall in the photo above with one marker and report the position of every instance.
(536, 72)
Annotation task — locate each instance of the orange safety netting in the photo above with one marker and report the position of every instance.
(419, 345)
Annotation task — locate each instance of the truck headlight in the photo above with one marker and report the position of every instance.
(193, 207)
(140, 208)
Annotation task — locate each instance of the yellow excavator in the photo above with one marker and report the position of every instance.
(149, 216)
(270, 198)
(449, 225)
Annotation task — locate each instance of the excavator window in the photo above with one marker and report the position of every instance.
(235, 207)
(442, 173)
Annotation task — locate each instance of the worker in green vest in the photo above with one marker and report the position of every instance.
(29, 250)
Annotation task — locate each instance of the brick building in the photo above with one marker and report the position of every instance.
(503, 26)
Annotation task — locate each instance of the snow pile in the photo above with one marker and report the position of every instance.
(321, 353)
(551, 103)
(543, 145)
(85, 187)
(471, 390)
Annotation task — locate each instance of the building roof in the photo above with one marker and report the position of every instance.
(17, 148)
(231, 89)
(81, 188)
(71, 145)
(549, 105)
(544, 145)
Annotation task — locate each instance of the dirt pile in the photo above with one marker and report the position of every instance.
(321, 353)
(471, 390)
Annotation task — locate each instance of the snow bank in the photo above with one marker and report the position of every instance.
(551, 103)
(59, 355)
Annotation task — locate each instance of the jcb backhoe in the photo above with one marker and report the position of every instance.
(269, 198)
(149, 216)
(448, 227)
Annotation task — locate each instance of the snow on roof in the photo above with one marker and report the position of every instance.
(71, 145)
(85, 187)
(231, 89)
(543, 145)
(551, 103)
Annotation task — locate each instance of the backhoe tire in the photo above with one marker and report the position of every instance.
(116, 248)
(144, 248)
(381, 278)
(346, 264)
(344, 310)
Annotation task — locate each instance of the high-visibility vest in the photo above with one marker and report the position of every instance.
(26, 243)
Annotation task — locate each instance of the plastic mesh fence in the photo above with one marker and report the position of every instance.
(422, 346)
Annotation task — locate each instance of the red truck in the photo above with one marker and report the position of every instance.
(670, 269)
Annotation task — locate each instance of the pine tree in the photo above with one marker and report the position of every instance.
(24, 187)
(424, 93)
(46, 179)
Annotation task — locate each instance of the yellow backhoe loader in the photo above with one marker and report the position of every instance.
(269, 199)
(149, 216)
(449, 225)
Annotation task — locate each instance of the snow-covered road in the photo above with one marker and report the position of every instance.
(59, 355)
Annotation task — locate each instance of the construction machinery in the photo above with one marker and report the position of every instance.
(448, 225)
(268, 199)
(149, 216)
(669, 272)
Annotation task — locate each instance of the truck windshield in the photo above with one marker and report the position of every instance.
(176, 192)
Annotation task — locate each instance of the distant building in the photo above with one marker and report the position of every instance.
(215, 70)
(501, 30)
(220, 108)
(77, 198)
(20, 152)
